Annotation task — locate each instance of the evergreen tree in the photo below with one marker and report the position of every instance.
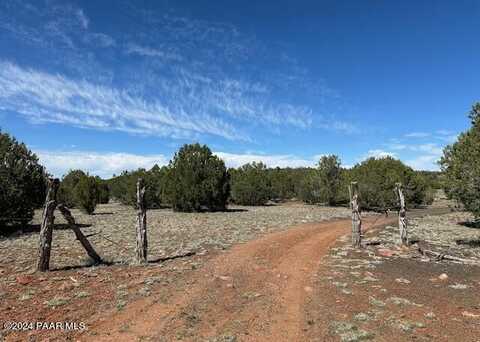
(376, 178)
(86, 194)
(22, 182)
(250, 184)
(66, 191)
(197, 180)
(329, 177)
(461, 165)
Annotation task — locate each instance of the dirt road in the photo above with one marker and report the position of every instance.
(253, 292)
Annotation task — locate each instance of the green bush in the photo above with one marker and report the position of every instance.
(308, 189)
(22, 182)
(197, 180)
(103, 191)
(250, 184)
(325, 184)
(461, 165)
(66, 191)
(123, 188)
(330, 179)
(376, 178)
(86, 194)
(283, 183)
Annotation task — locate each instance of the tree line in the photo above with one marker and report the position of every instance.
(197, 180)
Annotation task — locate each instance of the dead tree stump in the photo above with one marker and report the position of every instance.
(78, 233)
(141, 249)
(356, 217)
(46, 228)
(402, 215)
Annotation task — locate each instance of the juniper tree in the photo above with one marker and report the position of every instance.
(22, 182)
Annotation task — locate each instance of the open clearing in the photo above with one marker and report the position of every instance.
(287, 285)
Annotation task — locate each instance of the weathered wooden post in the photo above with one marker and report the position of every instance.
(78, 233)
(402, 215)
(46, 228)
(141, 250)
(356, 217)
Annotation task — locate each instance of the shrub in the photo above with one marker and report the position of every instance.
(329, 177)
(461, 165)
(22, 182)
(376, 178)
(103, 191)
(66, 191)
(284, 182)
(250, 184)
(123, 188)
(197, 180)
(325, 184)
(86, 194)
(309, 187)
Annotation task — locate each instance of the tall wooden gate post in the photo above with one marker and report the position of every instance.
(141, 250)
(46, 229)
(356, 217)
(402, 215)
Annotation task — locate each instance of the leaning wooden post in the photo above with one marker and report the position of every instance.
(356, 218)
(78, 233)
(141, 250)
(46, 228)
(402, 215)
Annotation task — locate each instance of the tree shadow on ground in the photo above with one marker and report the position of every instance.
(15, 231)
(471, 224)
(235, 210)
(86, 265)
(113, 263)
(474, 243)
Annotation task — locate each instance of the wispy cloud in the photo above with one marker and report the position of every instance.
(43, 97)
(100, 39)
(236, 160)
(104, 165)
(195, 77)
(379, 153)
(339, 126)
(418, 135)
(107, 164)
(424, 162)
(146, 51)
(82, 18)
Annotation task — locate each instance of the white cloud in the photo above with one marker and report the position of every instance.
(82, 18)
(340, 126)
(449, 139)
(100, 164)
(425, 156)
(379, 153)
(43, 98)
(100, 39)
(397, 146)
(430, 148)
(417, 135)
(236, 160)
(444, 132)
(106, 164)
(427, 160)
(152, 52)
(424, 162)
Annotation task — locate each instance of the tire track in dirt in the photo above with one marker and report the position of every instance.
(255, 291)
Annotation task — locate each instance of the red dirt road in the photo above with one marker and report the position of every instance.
(255, 291)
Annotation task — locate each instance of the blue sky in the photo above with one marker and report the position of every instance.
(112, 85)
